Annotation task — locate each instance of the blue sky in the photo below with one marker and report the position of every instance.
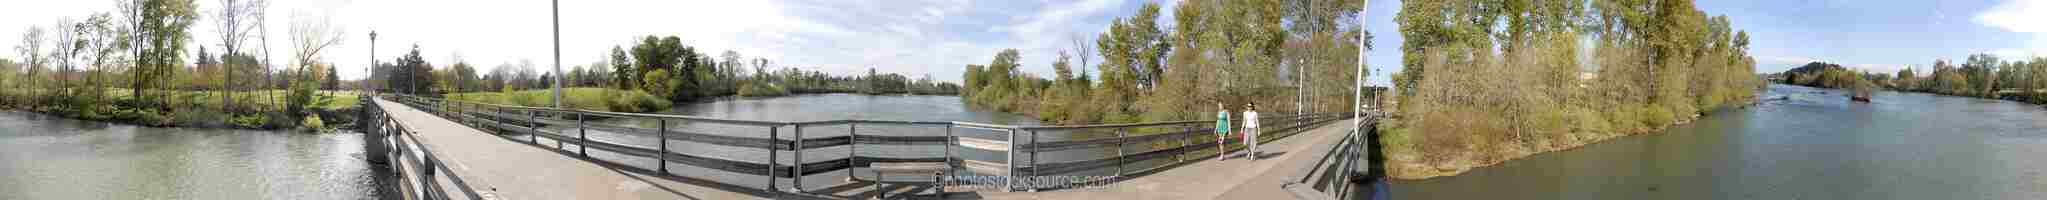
(939, 37)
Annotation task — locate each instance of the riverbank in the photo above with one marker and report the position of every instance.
(1406, 162)
(1405, 159)
(251, 110)
(599, 99)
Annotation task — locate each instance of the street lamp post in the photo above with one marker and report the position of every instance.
(373, 63)
(373, 144)
(557, 54)
(1358, 89)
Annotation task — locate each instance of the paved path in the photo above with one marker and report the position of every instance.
(505, 169)
(1236, 178)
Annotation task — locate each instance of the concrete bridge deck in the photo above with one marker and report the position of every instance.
(498, 168)
(1235, 178)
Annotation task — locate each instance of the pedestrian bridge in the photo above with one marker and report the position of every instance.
(445, 149)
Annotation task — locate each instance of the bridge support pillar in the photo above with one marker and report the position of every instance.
(373, 137)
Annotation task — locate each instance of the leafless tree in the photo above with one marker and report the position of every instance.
(233, 23)
(31, 48)
(309, 35)
(1082, 50)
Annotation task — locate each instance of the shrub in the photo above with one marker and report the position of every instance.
(312, 123)
(761, 90)
(247, 121)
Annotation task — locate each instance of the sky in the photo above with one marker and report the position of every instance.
(939, 37)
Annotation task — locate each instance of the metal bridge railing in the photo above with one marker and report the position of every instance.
(1329, 177)
(1021, 145)
(393, 142)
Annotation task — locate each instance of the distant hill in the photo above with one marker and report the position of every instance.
(1814, 68)
(1822, 74)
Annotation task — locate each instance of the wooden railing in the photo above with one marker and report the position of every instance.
(419, 171)
(1020, 144)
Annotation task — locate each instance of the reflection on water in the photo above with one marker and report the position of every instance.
(1815, 144)
(44, 157)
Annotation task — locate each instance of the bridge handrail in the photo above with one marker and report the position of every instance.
(1342, 157)
(408, 151)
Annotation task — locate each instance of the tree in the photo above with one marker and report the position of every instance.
(624, 75)
(667, 53)
(414, 75)
(333, 79)
(233, 24)
(163, 28)
(1980, 70)
(31, 47)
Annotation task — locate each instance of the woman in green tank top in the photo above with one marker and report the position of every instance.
(1222, 129)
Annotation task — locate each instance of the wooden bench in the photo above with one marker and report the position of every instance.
(936, 169)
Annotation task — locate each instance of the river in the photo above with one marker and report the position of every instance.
(1814, 145)
(47, 157)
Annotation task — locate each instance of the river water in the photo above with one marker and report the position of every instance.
(46, 157)
(1814, 145)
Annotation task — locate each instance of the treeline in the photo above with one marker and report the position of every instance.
(1981, 75)
(660, 66)
(1487, 81)
(1286, 56)
(131, 65)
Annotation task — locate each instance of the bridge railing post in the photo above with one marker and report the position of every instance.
(500, 119)
(949, 141)
(664, 146)
(532, 125)
(1034, 160)
(1012, 180)
(1181, 157)
(582, 136)
(796, 176)
(1120, 140)
(852, 149)
(773, 157)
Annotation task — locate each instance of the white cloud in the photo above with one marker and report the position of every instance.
(2022, 16)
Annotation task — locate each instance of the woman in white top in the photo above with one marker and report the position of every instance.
(1251, 130)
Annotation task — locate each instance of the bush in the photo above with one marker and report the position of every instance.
(147, 117)
(1653, 116)
(252, 121)
(761, 90)
(312, 123)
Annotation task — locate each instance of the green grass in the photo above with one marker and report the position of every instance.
(603, 99)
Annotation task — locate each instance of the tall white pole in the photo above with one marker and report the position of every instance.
(1358, 96)
(557, 53)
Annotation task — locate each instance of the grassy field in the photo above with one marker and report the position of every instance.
(580, 98)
